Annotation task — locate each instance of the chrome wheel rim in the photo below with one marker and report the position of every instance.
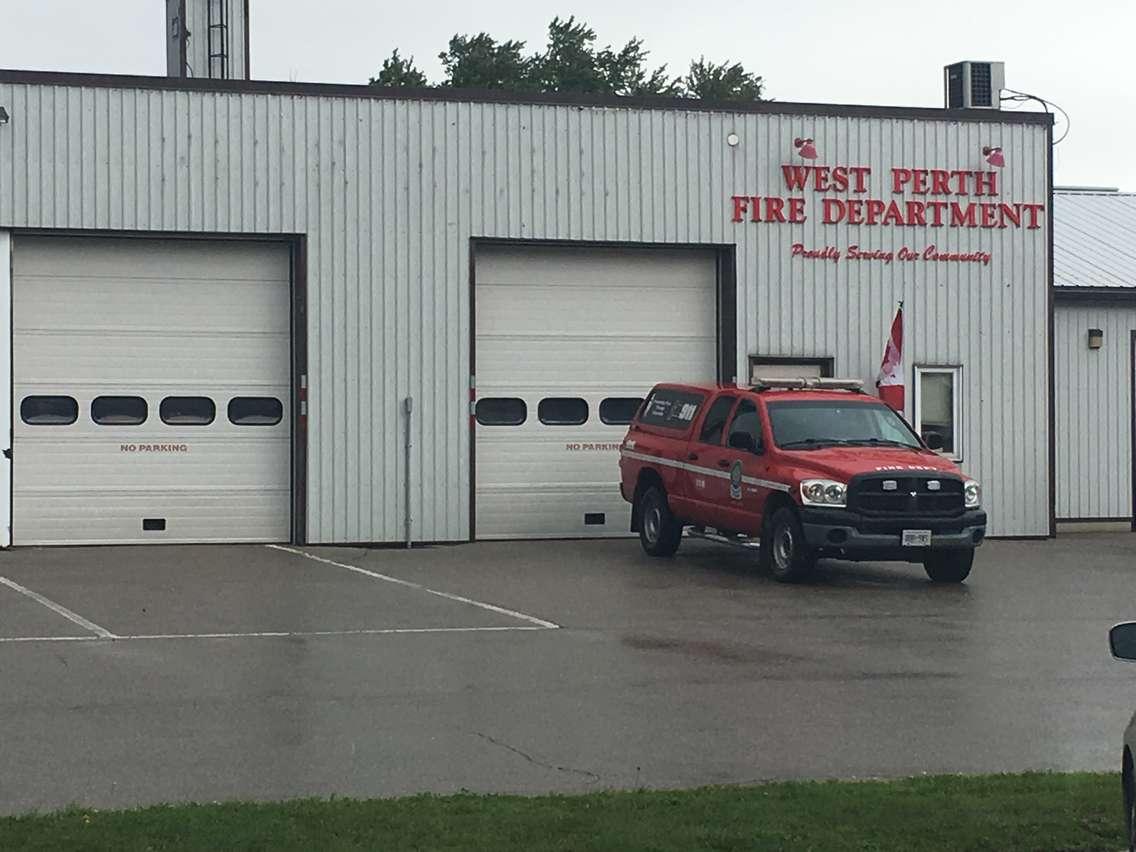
(652, 523)
(783, 546)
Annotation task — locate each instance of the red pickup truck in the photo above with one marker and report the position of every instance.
(798, 470)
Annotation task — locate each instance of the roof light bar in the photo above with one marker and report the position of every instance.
(808, 383)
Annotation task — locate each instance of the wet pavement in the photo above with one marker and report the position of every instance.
(247, 672)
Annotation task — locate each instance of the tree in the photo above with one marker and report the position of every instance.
(626, 73)
(723, 82)
(570, 62)
(481, 63)
(397, 71)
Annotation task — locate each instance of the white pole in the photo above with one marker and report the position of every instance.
(409, 405)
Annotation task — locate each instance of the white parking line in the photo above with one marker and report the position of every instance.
(59, 609)
(297, 634)
(15, 639)
(540, 622)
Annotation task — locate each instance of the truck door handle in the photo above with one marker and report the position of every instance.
(692, 456)
(723, 462)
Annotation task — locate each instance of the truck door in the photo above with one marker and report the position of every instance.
(746, 466)
(705, 487)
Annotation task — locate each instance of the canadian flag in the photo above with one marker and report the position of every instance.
(890, 380)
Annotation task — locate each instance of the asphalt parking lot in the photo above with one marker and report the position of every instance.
(141, 675)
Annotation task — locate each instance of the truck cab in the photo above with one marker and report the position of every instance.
(797, 470)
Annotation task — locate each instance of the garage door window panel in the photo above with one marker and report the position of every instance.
(119, 410)
(255, 411)
(49, 410)
(938, 408)
(618, 410)
(187, 411)
(562, 411)
(501, 411)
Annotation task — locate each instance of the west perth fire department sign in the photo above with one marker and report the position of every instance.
(927, 198)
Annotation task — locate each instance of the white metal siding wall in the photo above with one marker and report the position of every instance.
(1094, 411)
(389, 193)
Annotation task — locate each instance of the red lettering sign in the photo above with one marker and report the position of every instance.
(925, 211)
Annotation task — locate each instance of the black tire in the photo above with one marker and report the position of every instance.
(949, 566)
(784, 552)
(1129, 786)
(659, 531)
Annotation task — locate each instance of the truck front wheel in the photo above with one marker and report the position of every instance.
(949, 566)
(659, 531)
(784, 550)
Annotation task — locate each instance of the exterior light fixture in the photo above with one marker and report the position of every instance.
(805, 148)
(994, 156)
(4, 119)
(1096, 338)
(732, 140)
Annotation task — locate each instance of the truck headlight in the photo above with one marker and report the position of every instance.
(823, 492)
(972, 494)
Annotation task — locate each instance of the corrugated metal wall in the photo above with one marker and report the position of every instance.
(1094, 411)
(389, 193)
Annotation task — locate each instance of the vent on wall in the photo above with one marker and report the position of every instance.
(974, 85)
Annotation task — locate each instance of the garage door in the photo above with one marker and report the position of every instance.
(151, 391)
(567, 342)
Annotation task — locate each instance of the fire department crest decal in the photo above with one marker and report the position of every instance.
(736, 480)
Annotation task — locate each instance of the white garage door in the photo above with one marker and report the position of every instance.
(151, 391)
(567, 342)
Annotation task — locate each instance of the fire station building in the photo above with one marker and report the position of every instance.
(257, 311)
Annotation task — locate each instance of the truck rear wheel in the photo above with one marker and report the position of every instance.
(784, 550)
(949, 566)
(659, 531)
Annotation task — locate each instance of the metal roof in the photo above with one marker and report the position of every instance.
(1094, 239)
(441, 93)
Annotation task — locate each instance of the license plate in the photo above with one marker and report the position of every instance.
(916, 538)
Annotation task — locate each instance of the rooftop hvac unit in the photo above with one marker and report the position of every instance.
(974, 85)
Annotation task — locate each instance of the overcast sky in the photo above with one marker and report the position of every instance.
(1078, 55)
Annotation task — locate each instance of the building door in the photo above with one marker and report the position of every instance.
(568, 342)
(151, 390)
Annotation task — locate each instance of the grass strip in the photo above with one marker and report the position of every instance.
(1037, 811)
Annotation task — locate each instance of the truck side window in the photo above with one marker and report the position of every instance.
(745, 421)
(671, 408)
(715, 422)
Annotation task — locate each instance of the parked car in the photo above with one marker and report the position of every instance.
(1122, 643)
(796, 470)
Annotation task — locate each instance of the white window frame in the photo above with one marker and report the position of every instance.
(955, 372)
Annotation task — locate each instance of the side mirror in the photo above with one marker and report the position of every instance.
(1122, 641)
(934, 441)
(743, 441)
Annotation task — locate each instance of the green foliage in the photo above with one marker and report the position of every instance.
(571, 62)
(723, 82)
(480, 62)
(397, 71)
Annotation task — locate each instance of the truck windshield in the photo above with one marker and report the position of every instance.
(814, 424)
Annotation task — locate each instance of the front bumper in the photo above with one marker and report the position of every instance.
(843, 534)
